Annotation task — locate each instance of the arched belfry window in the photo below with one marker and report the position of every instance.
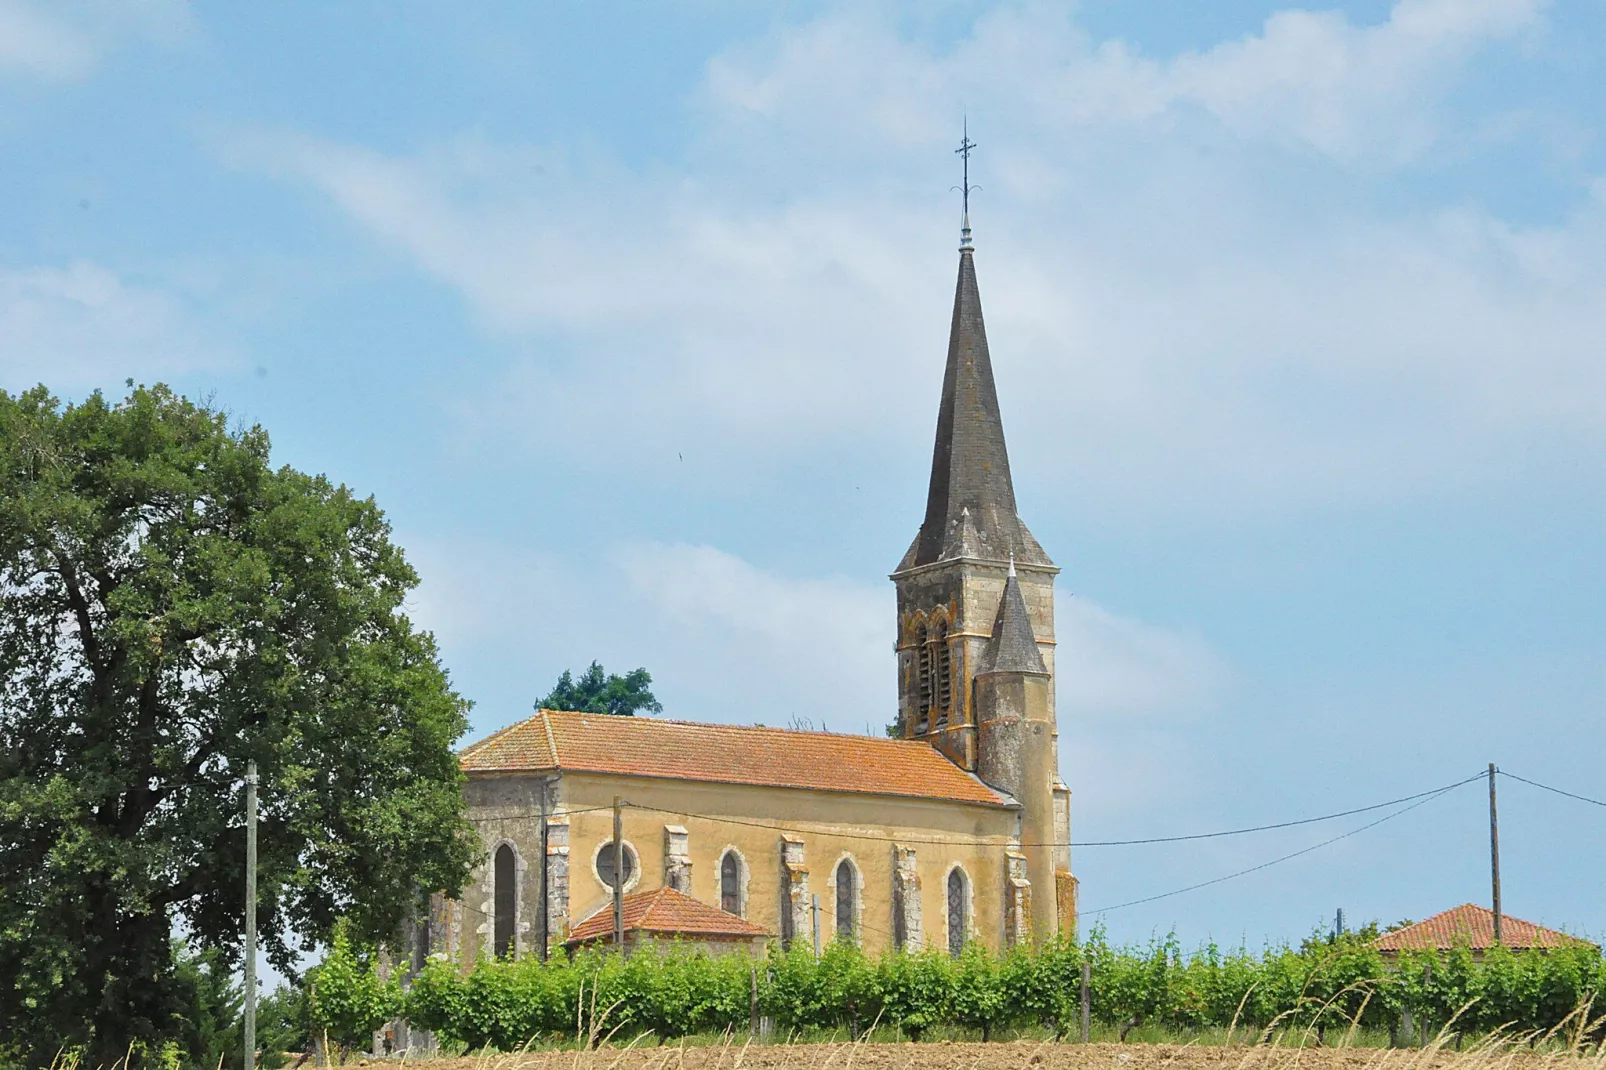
(730, 883)
(958, 909)
(922, 679)
(506, 895)
(847, 898)
(942, 671)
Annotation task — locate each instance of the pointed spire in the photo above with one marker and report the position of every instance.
(1013, 647)
(970, 463)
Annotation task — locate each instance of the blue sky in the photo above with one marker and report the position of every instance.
(633, 319)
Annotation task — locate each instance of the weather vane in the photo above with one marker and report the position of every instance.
(963, 152)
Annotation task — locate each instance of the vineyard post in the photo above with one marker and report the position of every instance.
(1427, 979)
(618, 879)
(1087, 1000)
(752, 999)
(1494, 854)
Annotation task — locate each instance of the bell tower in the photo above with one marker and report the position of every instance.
(973, 560)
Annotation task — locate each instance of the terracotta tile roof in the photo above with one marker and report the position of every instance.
(1473, 926)
(665, 912)
(732, 754)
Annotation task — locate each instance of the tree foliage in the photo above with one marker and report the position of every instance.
(599, 692)
(172, 607)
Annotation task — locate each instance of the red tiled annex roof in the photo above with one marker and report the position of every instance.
(666, 912)
(1472, 926)
(732, 754)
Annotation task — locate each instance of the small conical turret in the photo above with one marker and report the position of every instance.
(1013, 647)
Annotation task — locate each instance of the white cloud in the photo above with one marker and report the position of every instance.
(728, 640)
(35, 44)
(1312, 76)
(766, 647)
(1344, 89)
(62, 43)
(82, 325)
(1111, 670)
(1172, 327)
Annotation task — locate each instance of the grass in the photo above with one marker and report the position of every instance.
(1578, 1043)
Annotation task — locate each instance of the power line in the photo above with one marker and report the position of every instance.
(1266, 828)
(1302, 851)
(884, 838)
(1547, 787)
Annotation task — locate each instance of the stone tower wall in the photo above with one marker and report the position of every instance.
(965, 593)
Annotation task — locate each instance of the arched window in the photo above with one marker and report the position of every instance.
(958, 909)
(730, 883)
(506, 895)
(922, 680)
(942, 670)
(847, 898)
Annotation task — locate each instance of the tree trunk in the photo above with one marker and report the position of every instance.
(129, 959)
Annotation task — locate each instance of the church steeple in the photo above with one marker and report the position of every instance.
(970, 481)
(976, 617)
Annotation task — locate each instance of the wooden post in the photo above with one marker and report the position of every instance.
(618, 878)
(1427, 978)
(814, 908)
(250, 916)
(752, 999)
(1087, 1001)
(1494, 854)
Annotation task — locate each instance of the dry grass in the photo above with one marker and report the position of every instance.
(1023, 1055)
(1573, 1045)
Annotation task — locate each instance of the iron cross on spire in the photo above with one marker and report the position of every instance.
(963, 152)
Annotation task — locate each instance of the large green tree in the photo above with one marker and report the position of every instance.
(172, 607)
(597, 691)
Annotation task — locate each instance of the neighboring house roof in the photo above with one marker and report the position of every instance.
(730, 754)
(1472, 927)
(666, 912)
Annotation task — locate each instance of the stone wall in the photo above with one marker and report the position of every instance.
(687, 848)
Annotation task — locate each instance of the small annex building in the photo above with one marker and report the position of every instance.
(668, 915)
(1472, 927)
(957, 830)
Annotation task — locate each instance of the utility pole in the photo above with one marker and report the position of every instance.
(815, 907)
(1494, 854)
(618, 878)
(251, 916)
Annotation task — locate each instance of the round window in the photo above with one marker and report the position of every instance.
(605, 863)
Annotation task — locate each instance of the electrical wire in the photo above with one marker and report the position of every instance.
(1284, 858)
(1547, 787)
(1416, 800)
(884, 838)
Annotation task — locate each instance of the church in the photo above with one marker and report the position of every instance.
(957, 831)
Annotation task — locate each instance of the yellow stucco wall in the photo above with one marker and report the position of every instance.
(717, 817)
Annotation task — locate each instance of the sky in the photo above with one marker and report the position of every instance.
(632, 318)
